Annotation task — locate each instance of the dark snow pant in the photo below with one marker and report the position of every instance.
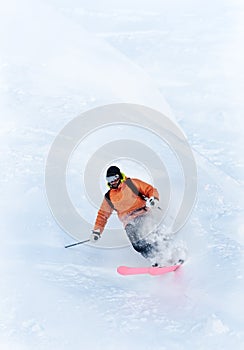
(139, 237)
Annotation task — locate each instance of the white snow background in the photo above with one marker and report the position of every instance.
(60, 58)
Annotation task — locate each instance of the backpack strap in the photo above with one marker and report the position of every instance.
(107, 197)
(133, 188)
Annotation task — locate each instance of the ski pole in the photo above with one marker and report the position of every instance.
(72, 245)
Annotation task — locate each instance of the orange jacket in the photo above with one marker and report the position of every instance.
(125, 202)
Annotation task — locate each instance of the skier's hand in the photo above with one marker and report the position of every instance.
(152, 202)
(95, 236)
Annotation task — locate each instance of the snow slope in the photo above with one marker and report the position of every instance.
(60, 58)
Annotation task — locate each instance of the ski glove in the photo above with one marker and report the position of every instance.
(152, 202)
(95, 236)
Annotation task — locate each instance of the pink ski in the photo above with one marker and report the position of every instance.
(162, 270)
(126, 270)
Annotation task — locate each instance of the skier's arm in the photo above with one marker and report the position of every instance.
(146, 189)
(103, 215)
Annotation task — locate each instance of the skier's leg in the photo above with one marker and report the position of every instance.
(157, 248)
(139, 240)
(168, 250)
(147, 250)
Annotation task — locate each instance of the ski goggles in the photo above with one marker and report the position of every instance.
(112, 178)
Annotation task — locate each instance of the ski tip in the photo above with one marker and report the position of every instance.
(122, 270)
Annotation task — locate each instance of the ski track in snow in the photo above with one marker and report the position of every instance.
(73, 299)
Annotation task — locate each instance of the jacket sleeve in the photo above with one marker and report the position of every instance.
(103, 215)
(146, 189)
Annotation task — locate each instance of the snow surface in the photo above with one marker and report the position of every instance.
(60, 58)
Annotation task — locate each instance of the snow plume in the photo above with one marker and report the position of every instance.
(166, 248)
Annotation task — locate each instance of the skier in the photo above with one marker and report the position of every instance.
(133, 200)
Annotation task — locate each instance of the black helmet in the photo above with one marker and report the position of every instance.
(112, 172)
